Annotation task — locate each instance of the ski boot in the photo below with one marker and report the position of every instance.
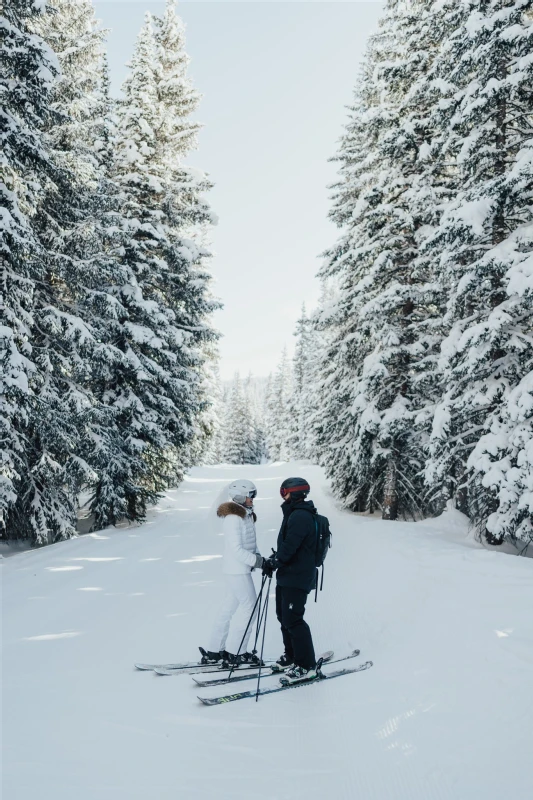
(243, 659)
(298, 674)
(232, 661)
(209, 657)
(252, 658)
(282, 664)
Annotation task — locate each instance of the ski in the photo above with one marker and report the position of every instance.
(229, 698)
(202, 669)
(185, 665)
(190, 665)
(325, 657)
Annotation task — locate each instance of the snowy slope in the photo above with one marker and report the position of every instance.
(444, 713)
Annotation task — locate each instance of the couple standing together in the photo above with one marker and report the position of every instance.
(294, 563)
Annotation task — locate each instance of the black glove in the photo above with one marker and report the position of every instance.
(269, 566)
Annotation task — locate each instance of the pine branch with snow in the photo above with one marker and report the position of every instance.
(484, 244)
(164, 335)
(381, 343)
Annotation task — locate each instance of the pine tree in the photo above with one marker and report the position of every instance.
(27, 78)
(238, 442)
(300, 404)
(176, 133)
(502, 461)
(265, 414)
(482, 427)
(187, 214)
(319, 392)
(114, 457)
(206, 445)
(142, 393)
(164, 331)
(187, 283)
(278, 421)
(257, 435)
(72, 308)
(107, 291)
(384, 344)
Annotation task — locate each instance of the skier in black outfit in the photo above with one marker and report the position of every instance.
(296, 576)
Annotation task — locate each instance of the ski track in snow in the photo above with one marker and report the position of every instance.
(444, 714)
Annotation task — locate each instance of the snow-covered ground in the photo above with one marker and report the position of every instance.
(444, 713)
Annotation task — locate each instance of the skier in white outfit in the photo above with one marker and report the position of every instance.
(240, 557)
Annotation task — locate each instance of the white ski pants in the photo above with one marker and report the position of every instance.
(235, 608)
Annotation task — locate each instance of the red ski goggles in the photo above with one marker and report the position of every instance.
(285, 492)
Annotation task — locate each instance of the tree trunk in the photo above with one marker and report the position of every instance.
(501, 146)
(390, 491)
(461, 495)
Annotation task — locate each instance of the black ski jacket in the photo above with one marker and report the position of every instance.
(295, 556)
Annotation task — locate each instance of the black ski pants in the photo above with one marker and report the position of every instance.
(290, 610)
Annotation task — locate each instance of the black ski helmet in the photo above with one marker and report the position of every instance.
(295, 489)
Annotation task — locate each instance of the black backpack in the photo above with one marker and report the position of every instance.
(323, 543)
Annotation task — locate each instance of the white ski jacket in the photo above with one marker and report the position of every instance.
(240, 545)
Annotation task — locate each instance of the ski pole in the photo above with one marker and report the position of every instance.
(257, 627)
(263, 642)
(258, 600)
(259, 618)
(260, 614)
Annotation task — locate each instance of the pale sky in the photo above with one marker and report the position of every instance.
(275, 78)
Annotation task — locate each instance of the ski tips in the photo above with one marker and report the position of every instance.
(207, 701)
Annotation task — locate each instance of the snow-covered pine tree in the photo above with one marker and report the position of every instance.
(165, 329)
(482, 428)
(502, 461)
(142, 393)
(257, 423)
(206, 445)
(379, 358)
(189, 216)
(264, 408)
(115, 458)
(239, 434)
(300, 404)
(322, 370)
(27, 78)
(176, 133)
(278, 422)
(28, 69)
(71, 306)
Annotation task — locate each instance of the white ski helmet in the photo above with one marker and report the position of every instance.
(239, 490)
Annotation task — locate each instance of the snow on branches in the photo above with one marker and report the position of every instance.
(106, 303)
(425, 378)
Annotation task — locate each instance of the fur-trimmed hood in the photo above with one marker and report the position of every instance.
(225, 509)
